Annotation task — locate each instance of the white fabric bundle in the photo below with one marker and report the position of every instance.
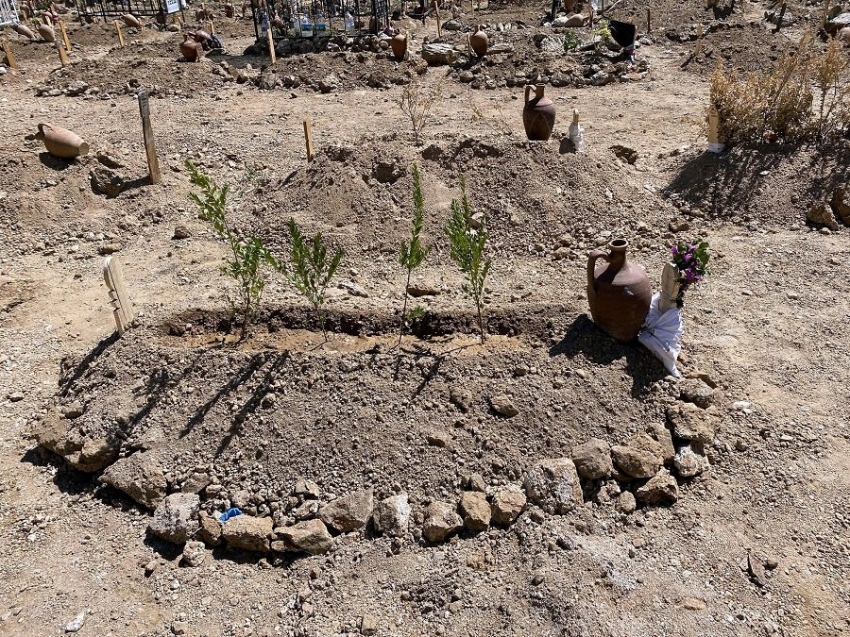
(662, 334)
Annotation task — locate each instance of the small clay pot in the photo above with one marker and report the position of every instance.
(131, 21)
(228, 10)
(192, 51)
(479, 42)
(398, 43)
(538, 114)
(619, 294)
(47, 33)
(60, 142)
(24, 30)
(277, 23)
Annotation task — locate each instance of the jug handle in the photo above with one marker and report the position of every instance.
(528, 88)
(591, 265)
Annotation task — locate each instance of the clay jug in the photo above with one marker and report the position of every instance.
(479, 42)
(46, 32)
(24, 30)
(60, 142)
(538, 114)
(399, 45)
(228, 10)
(131, 21)
(190, 49)
(619, 293)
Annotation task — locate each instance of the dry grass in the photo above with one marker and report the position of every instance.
(806, 96)
(417, 101)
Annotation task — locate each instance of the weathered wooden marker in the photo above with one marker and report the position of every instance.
(120, 35)
(272, 54)
(7, 50)
(65, 37)
(308, 138)
(63, 56)
(122, 308)
(698, 46)
(147, 131)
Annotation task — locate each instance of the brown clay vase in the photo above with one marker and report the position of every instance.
(479, 42)
(131, 21)
(399, 45)
(228, 10)
(538, 114)
(60, 142)
(47, 33)
(619, 293)
(190, 49)
(24, 30)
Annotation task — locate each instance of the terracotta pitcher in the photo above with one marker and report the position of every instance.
(60, 142)
(538, 114)
(47, 33)
(190, 49)
(479, 42)
(399, 45)
(131, 21)
(24, 30)
(619, 293)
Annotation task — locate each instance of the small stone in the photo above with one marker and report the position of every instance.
(461, 398)
(640, 457)
(661, 434)
(689, 422)
(210, 529)
(417, 290)
(307, 488)
(75, 624)
(475, 482)
(140, 477)
(368, 625)
(441, 521)
(174, 519)
(248, 532)
(181, 232)
(109, 248)
(503, 405)
(475, 511)
(688, 463)
(661, 489)
(72, 411)
(756, 570)
(771, 563)
(350, 512)
(311, 537)
(593, 459)
(694, 390)
(438, 439)
(179, 628)
(15, 397)
(507, 506)
(553, 485)
(693, 603)
(194, 553)
(626, 502)
(392, 515)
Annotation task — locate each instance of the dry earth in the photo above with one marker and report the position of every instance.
(769, 329)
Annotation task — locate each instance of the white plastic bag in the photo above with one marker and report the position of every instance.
(661, 334)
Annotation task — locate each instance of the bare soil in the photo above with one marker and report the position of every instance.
(769, 329)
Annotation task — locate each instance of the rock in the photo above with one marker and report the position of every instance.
(95, 454)
(140, 477)
(75, 624)
(194, 553)
(210, 529)
(661, 489)
(552, 43)
(354, 289)
(694, 390)
(625, 153)
(329, 83)
(109, 248)
(507, 506)
(461, 398)
(307, 489)
(388, 172)
(248, 532)
(181, 232)
(475, 511)
(438, 438)
(593, 459)
(755, 570)
(503, 405)
(179, 628)
(688, 463)
(438, 53)
(466, 76)
(639, 457)
(693, 603)
(820, 214)
(575, 20)
(350, 512)
(452, 25)
(553, 485)
(392, 515)
(368, 625)
(76, 88)
(659, 432)
(689, 422)
(174, 520)
(196, 482)
(840, 205)
(15, 396)
(106, 181)
(72, 411)
(417, 290)
(626, 502)
(475, 482)
(441, 521)
(311, 536)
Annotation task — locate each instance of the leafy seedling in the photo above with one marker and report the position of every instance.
(412, 253)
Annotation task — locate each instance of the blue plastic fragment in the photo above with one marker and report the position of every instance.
(230, 513)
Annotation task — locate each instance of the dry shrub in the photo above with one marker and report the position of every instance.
(417, 101)
(781, 105)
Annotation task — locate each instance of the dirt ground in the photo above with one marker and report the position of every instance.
(769, 329)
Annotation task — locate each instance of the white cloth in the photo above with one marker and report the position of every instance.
(661, 334)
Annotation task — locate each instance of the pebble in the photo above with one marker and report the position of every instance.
(16, 396)
(75, 624)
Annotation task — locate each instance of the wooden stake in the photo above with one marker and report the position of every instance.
(781, 17)
(147, 131)
(713, 126)
(211, 27)
(436, 8)
(120, 35)
(698, 45)
(65, 37)
(271, 45)
(10, 58)
(63, 57)
(122, 307)
(308, 138)
(648, 20)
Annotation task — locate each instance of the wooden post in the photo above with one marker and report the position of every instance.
(698, 45)
(10, 58)
(122, 307)
(648, 20)
(63, 57)
(65, 37)
(272, 53)
(120, 35)
(150, 147)
(781, 17)
(435, 6)
(211, 27)
(308, 138)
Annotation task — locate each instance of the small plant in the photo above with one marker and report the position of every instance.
(412, 253)
(467, 251)
(311, 271)
(691, 259)
(248, 254)
(571, 41)
(417, 101)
